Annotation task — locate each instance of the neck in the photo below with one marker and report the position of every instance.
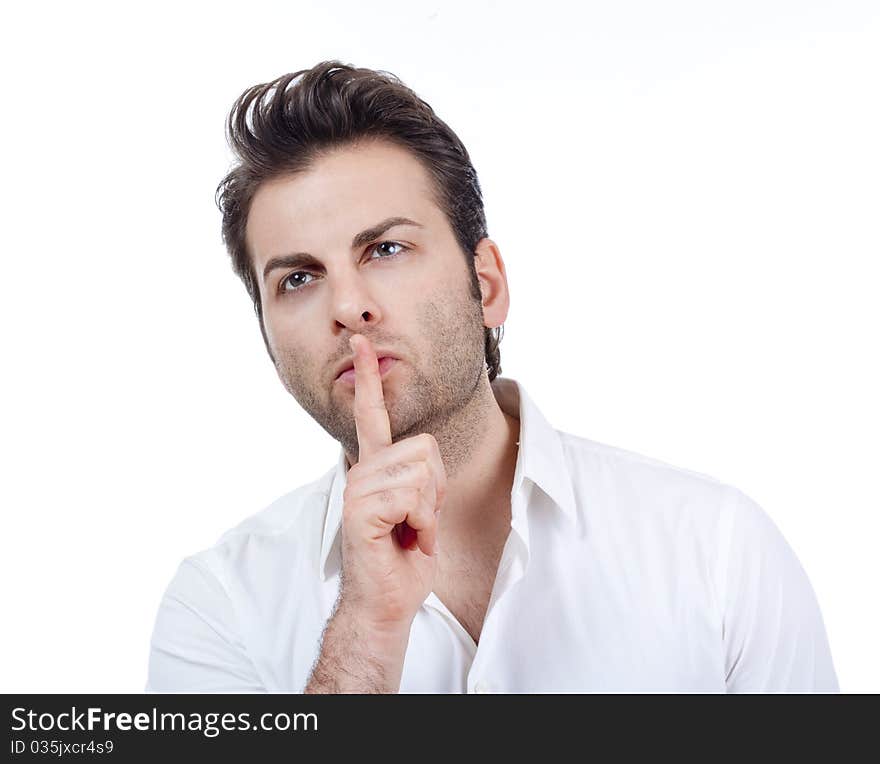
(479, 446)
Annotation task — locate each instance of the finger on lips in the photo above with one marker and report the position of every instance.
(370, 414)
(374, 434)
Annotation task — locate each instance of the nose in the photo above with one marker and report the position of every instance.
(353, 307)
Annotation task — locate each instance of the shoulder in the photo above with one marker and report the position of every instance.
(289, 529)
(616, 480)
(631, 483)
(300, 505)
(584, 448)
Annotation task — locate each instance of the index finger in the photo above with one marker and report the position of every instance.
(370, 414)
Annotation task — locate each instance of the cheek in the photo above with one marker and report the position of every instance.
(286, 328)
(291, 349)
(271, 322)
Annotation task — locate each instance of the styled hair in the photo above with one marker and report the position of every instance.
(281, 127)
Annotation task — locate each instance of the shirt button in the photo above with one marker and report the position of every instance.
(482, 687)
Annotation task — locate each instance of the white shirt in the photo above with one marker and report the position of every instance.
(620, 573)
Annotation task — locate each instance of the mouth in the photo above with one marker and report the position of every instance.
(386, 363)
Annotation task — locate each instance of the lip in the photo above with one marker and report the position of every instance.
(386, 364)
(348, 364)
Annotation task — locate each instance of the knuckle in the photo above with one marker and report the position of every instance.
(416, 508)
(393, 470)
(422, 472)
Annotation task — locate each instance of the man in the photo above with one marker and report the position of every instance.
(460, 544)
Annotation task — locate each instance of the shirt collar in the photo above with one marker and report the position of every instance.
(540, 459)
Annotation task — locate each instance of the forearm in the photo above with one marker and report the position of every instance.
(356, 657)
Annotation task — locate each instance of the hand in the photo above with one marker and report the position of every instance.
(389, 524)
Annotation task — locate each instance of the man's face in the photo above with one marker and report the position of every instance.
(406, 289)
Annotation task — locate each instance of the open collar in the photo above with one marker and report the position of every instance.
(540, 459)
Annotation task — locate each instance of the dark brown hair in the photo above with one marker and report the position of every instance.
(281, 127)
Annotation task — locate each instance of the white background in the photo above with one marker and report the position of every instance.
(685, 195)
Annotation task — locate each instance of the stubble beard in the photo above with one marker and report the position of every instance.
(448, 400)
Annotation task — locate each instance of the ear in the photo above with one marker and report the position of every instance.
(493, 283)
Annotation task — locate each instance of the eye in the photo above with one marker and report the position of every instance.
(393, 244)
(294, 281)
(291, 280)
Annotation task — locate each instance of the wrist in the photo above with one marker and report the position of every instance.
(359, 656)
(383, 634)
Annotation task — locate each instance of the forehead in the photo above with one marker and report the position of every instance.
(342, 193)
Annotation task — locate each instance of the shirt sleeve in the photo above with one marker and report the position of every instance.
(773, 635)
(196, 646)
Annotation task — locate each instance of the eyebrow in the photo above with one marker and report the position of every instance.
(299, 259)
